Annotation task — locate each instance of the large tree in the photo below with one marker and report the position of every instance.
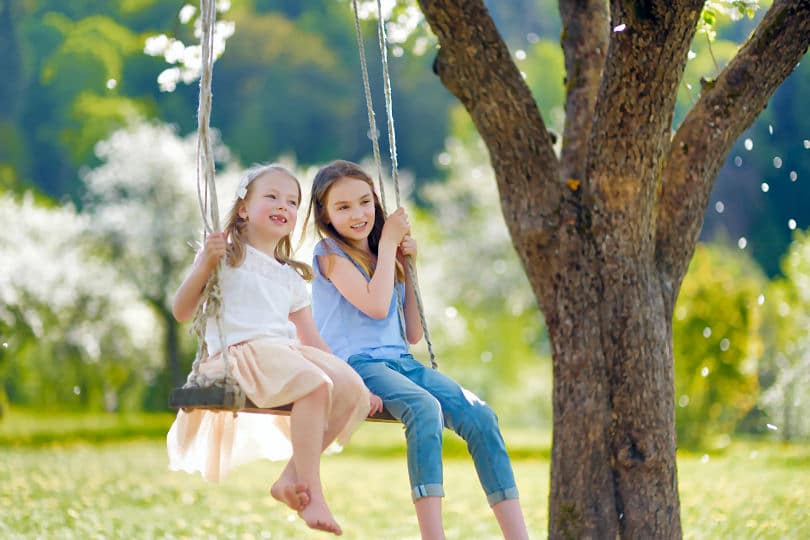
(606, 230)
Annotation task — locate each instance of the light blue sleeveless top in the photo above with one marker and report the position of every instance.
(346, 329)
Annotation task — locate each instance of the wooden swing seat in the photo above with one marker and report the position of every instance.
(218, 398)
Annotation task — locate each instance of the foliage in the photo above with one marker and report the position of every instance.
(79, 65)
(543, 67)
(289, 82)
(142, 200)
(76, 71)
(786, 364)
(73, 334)
(304, 80)
(759, 193)
(705, 60)
(734, 9)
(187, 58)
(716, 345)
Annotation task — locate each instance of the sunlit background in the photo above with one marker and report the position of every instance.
(99, 222)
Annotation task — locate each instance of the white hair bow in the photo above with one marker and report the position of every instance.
(241, 191)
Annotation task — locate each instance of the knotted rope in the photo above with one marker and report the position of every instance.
(210, 304)
(392, 145)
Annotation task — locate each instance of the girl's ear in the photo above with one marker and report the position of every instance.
(242, 211)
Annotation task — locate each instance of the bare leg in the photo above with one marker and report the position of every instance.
(347, 386)
(289, 490)
(510, 519)
(429, 516)
(307, 422)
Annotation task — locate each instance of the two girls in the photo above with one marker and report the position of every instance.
(277, 355)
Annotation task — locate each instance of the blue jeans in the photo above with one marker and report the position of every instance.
(425, 401)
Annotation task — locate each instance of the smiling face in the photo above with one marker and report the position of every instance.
(271, 207)
(350, 210)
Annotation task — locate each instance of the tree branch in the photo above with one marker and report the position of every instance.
(474, 63)
(723, 112)
(584, 39)
(631, 132)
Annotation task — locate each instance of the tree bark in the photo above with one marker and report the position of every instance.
(171, 344)
(584, 40)
(601, 234)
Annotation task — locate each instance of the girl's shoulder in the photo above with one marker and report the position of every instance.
(328, 246)
(323, 249)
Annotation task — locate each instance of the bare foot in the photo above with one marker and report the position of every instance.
(317, 516)
(296, 496)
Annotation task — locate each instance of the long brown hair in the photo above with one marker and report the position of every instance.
(235, 225)
(324, 179)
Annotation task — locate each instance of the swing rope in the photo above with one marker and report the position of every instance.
(210, 304)
(392, 145)
(211, 298)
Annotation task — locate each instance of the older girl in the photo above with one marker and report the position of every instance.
(358, 268)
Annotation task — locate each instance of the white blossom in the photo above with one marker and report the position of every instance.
(51, 284)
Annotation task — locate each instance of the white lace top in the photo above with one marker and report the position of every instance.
(258, 297)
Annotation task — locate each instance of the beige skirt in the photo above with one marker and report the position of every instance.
(270, 374)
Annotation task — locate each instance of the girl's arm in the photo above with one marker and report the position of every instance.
(371, 297)
(188, 294)
(306, 329)
(413, 325)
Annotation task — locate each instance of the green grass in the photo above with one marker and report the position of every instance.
(124, 490)
(21, 427)
(63, 488)
(756, 490)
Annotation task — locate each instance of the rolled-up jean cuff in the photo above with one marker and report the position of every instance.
(502, 495)
(427, 490)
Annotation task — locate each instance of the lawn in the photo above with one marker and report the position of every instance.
(122, 489)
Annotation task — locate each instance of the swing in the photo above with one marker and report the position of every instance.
(200, 392)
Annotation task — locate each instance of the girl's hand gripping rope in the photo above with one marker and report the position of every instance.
(396, 227)
(407, 248)
(214, 250)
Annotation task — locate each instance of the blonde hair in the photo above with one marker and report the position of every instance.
(324, 179)
(235, 225)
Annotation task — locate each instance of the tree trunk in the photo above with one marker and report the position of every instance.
(613, 456)
(159, 300)
(171, 345)
(605, 236)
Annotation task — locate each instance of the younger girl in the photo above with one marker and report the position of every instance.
(265, 306)
(359, 272)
